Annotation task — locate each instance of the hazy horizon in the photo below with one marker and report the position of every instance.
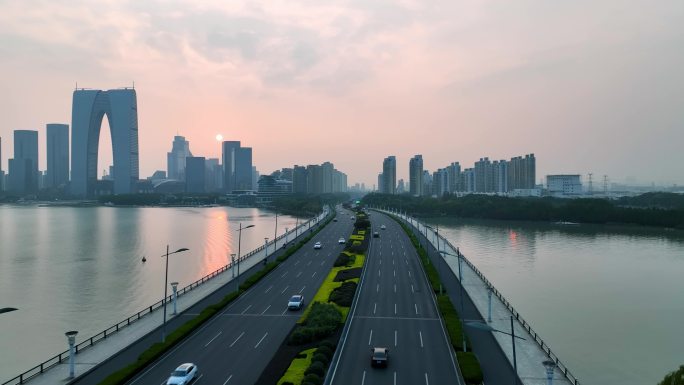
(585, 86)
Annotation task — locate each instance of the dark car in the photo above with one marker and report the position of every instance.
(379, 357)
(376, 235)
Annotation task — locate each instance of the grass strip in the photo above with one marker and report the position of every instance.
(156, 350)
(295, 372)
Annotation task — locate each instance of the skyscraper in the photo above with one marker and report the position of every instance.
(195, 174)
(243, 168)
(228, 155)
(299, 180)
(89, 107)
(389, 175)
(23, 168)
(57, 154)
(175, 160)
(416, 175)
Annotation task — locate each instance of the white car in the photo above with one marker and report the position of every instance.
(341, 240)
(317, 245)
(182, 375)
(296, 302)
(382, 227)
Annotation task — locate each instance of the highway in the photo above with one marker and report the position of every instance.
(395, 309)
(236, 345)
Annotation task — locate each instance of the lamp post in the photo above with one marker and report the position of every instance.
(239, 251)
(174, 287)
(71, 338)
(232, 264)
(275, 232)
(483, 326)
(265, 249)
(550, 366)
(297, 229)
(460, 281)
(166, 284)
(286, 233)
(489, 303)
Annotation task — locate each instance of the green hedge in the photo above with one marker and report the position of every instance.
(452, 322)
(322, 321)
(156, 350)
(470, 367)
(344, 295)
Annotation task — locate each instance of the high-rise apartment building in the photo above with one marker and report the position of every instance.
(23, 168)
(440, 182)
(389, 175)
(522, 172)
(57, 155)
(228, 155)
(500, 172)
(195, 174)
(416, 175)
(176, 159)
(299, 180)
(243, 169)
(381, 183)
(454, 175)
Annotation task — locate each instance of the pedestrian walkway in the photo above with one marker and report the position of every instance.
(530, 352)
(91, 356)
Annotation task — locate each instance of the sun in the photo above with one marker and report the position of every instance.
(219, 137)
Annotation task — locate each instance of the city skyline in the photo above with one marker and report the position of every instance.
(585, 96)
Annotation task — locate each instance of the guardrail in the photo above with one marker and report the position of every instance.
(88, 342)
(563, 369)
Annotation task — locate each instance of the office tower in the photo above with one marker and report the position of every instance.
(23, 168)
(299, 180)
(175, 160)
(88, 108)
(381, 180)
(243, 168)
(212, 174)
(255, 177)
(416, 175)
(195, 174)
(57, 155)
(389, 175)
(228, 154)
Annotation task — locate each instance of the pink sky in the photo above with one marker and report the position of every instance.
(587, 86)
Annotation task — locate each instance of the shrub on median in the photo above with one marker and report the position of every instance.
(344, 295)
(322, 321)
(470, 368)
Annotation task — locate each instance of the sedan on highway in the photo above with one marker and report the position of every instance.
(183, 375)
(379, 357)
(341, 240)
(296, 302)
(382, 227)
(317, 245)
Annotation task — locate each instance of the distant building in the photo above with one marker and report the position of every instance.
(23, 168)
(229, 158)
(2, 173)
(157, 176)
(416, 175)
(57, 155)
(454, 175)
(401, 188)
(299, 180)
(243, 169)
(389, 175)
(195, 174)
(212, 175)
(381, 183)
(427, 183)
(522, 172)
(440, 182)
(255, 177)
(500, 173)
(175, 159)
(270, 186)
(564, 185)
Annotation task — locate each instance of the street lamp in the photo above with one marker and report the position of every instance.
(286, 233)
(265, 249)
(460, 280)
(166, 284)
(71, 338)
(174, 286)
(275, 233)
(483, 326)
(7, 309)
(550, 366)
(232, 264)
(239, 251)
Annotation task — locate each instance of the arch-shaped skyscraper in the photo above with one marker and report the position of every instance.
(88, 109)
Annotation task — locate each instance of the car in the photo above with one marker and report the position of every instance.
(382, 227)
(296, 302)
(379, 357)
(376, 234)
(341, 240)
(334, 219)
(183, 374)
(317, 245)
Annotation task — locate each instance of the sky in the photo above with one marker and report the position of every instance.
(587, 86)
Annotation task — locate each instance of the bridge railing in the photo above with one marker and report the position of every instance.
(88, 342)
(561, 367)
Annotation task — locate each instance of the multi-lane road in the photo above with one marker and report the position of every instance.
(395, 309)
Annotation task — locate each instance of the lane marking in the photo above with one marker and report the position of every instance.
(236, 340)
(314, 274)
(212, 340)
(395, 273)
(377, 287)
(243, 312)
(363, 378)
(375, 306)
(395, 338)
(412, 291)
(395, 378)
(378, 272)
(262, 338)
(262, 313)
(426, 379)
(416, 306)
(284, 289)
(370, 337)
(397, 318)
(302, 289)
(296, 263)
(284, 274)
(395, 308)
(269, 289)
(300, 273)
(409, 273)
(395, 287)
(229, 377)
(322, 263)
(420, 334)
(283, 313)
(308, 263)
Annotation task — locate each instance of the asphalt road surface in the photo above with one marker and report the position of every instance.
(395, 309)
